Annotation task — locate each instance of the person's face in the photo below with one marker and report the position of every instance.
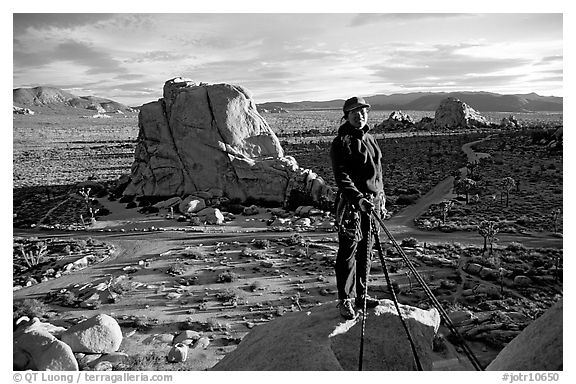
(358, 117)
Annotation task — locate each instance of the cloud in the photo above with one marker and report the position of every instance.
(40, 21)
(440, 61)
(159, 56)
(96, 61)
(372, 18)
(551, 59)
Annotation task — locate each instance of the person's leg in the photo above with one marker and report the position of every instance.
(346, 267)
(362, 255)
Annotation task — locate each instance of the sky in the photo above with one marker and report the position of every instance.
(278, 56)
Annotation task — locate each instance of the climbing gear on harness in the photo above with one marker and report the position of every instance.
(447, 321)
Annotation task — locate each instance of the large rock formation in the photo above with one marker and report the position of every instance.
(453, 113)
(201, 137)
(538, 348)
(397, 120)
(322, 340)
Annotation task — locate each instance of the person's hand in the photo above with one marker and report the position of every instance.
(365, 205)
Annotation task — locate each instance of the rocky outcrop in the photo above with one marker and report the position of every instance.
(453, 113)
(36, 348)
(22, 111)
(538, 348)
(203, 137)
(397, 120)
(322, 340)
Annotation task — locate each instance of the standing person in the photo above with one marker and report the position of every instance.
(356, 162)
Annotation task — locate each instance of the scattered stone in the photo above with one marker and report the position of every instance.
(178, 353)
(522, 281)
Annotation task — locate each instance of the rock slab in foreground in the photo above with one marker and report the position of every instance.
(39, 350)
(320, 340)
(538, 348)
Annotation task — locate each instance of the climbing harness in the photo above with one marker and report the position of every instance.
(467, 351)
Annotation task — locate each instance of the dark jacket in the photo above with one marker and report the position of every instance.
(356, 162)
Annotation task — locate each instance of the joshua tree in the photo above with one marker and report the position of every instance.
(466, 184)
(446, 206)
(507, 184)
(85, 193)
(35, 254)
(488, 230)
(472, 166)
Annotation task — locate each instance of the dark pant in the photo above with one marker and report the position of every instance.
(353, 261)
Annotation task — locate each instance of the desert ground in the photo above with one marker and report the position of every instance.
(163, 275)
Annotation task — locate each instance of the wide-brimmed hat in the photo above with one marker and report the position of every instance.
(353, 103)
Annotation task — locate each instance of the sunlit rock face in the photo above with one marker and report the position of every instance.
(320, 340)
(453, 113)
(201, 137)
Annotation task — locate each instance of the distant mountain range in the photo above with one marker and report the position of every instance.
(429, 101)
(55, 97)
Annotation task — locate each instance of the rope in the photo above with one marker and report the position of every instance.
(467, 351)
(395, 299)
(368, 254)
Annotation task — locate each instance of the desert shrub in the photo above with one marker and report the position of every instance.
(262, 243)
(409, 242)
(228, 296)
(255, 285)
(29, 307)
(120, 286)
(515, 247)
(226, 277)
(176, 269)
(146, 362)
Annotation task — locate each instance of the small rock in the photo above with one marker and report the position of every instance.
(103, 366)
(178, 353)
(202, 343)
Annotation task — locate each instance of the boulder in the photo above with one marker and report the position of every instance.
(453, 113)
(395, 121)
(186, 337)
(522, 281)
(202, 137)
(321, 340)
(192, 204)
(36, 349)
(178, 353)
(99, 334)
(166, 204)
(211, 216)
(539, 347)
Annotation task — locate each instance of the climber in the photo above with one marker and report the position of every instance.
(356, 163)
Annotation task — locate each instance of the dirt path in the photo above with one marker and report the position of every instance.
(402, 224)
